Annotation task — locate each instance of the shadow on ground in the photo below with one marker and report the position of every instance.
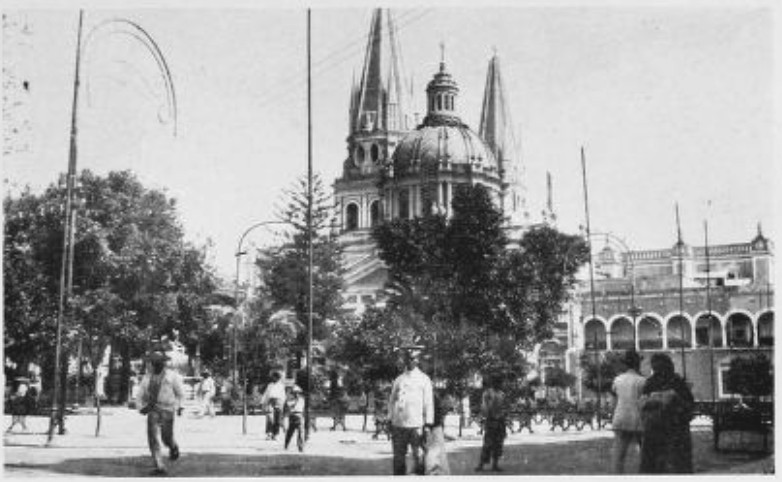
(582, 457)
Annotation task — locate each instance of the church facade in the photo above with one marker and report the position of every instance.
(703, 305)
(398, 167)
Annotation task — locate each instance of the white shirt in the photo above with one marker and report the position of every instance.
(171, 391)
(411, 404)
(274, 391)
(208, 387)
(628, 388)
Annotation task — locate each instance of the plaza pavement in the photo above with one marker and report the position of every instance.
(216, 447)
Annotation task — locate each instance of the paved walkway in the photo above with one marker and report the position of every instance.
(217, 447)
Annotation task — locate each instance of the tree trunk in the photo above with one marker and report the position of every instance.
(96, 394)
(63, 392)
(124, 374)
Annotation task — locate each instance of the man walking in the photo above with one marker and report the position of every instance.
(160, 396)
(410, 410)
(272, 400)
(206, 390)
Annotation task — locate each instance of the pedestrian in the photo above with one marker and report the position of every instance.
(19, 405)
(436, 458)
(161, 393)
(294, 412)
(206, 393)
(494, 411)
(272, 401)
(410, 410)
(626, 423)
(666, 411)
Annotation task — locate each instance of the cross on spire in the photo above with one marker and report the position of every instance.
(442, 56)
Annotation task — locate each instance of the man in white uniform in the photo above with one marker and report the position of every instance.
(410, 410)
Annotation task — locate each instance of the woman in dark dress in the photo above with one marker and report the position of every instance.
(666, 412)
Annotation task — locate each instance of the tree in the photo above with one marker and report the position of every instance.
(285, 284)
(469, 285)
(134, 276)
(750, 376)
(558, 378)
(610, 365)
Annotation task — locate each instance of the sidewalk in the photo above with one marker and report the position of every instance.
(214, 447)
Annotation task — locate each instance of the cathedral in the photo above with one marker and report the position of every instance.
(702, 305)
(398, 167)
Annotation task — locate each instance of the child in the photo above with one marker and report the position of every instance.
(294, 409)
(493, 410)
(19, 404)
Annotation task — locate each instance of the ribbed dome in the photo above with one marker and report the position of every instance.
(443, 145)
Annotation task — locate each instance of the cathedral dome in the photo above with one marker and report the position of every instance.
(443, 141)
(444, 145)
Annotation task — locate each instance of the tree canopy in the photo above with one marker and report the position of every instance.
(135, 278)
(461, 287)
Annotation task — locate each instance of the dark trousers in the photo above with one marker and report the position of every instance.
(401, 438)
(294, 425)
(273, 419)
(160, 423)
(493, 440)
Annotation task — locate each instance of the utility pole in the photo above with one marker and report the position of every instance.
(307, 394)
(591, 274)
(57, 415)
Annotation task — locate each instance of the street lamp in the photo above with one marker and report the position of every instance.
(66, 269)
(239, 253)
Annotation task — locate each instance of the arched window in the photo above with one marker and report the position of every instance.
(404, 204)
(374, 213)
(359, 157)
(704, 332)
(351, 215)
(739, 330)
(374, 152)
(595, 335)
(650, 334)
(622, 336)
(439, 102)
(679, 333)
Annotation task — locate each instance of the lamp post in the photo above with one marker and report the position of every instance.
(57, 416)
(234, 356)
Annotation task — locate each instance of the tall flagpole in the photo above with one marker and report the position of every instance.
(680, 247)
(591, 280)
(307, 398)
(58, 401)
(708, 308)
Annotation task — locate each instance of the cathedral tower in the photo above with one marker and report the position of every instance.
(496, 128)
(380, 114)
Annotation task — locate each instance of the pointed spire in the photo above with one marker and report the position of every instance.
(495, 126)
(381, 79)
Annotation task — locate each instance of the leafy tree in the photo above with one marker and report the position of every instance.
(30, 271)
(285, 284)
(482, 299)
(610, 365)
(370, 344)
(750, 376)
(134, 276)
(557, 377)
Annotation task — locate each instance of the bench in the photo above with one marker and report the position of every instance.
(739, 418)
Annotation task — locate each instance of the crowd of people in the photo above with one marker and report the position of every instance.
(652, 414)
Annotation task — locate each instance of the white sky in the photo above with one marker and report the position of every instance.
(671, 103)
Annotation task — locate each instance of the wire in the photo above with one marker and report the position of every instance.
(284, 89)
